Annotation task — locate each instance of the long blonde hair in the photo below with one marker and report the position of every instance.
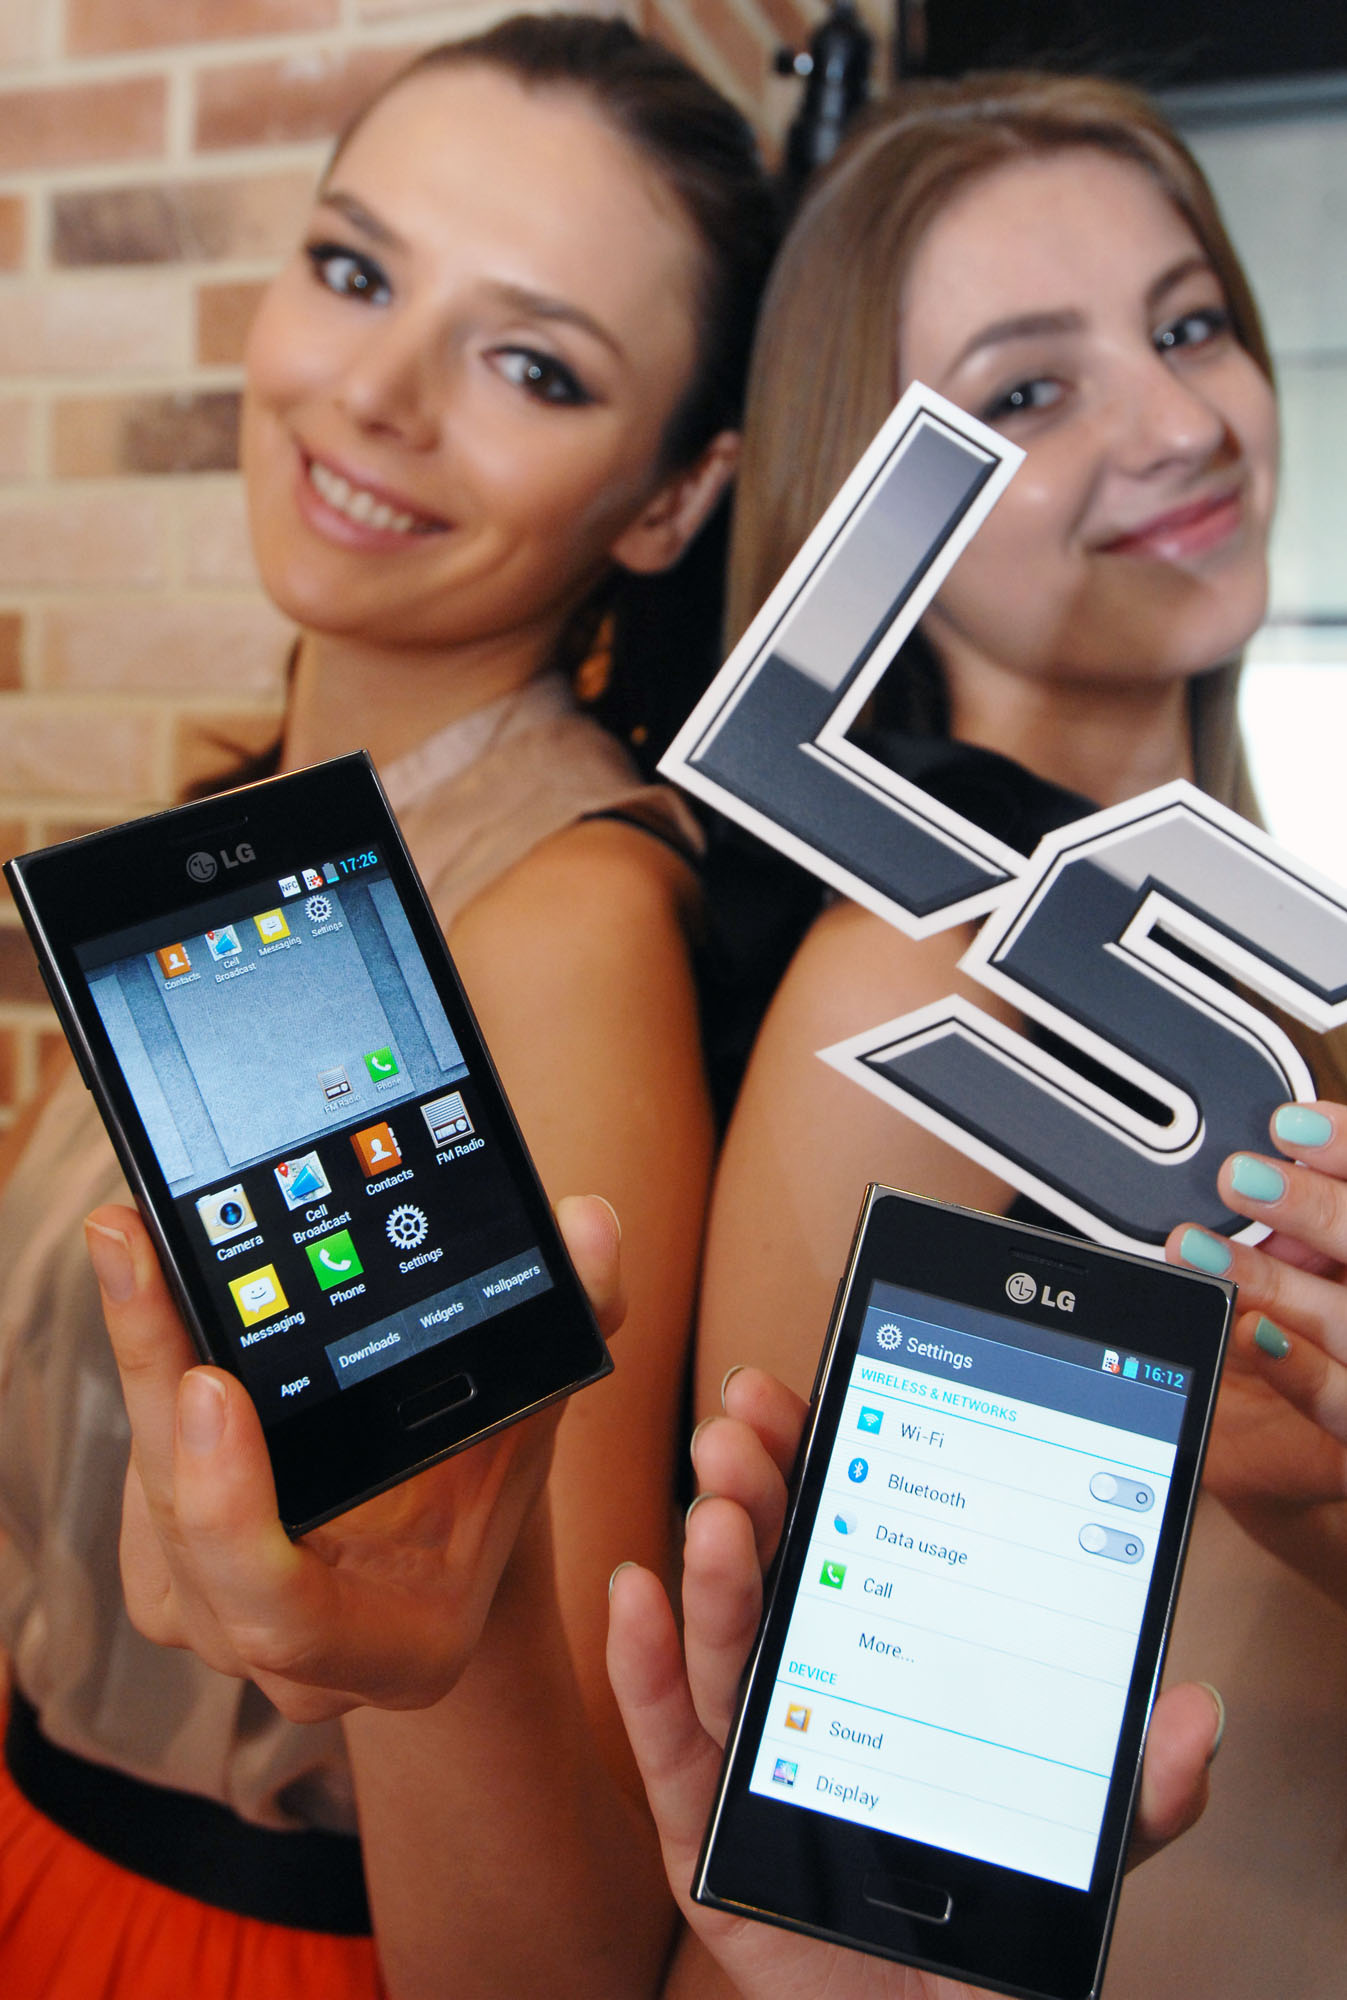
(824, 372)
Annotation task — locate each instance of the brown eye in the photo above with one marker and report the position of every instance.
(541, 376)
(347, 273)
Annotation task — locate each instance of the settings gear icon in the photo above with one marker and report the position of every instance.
(318, 909)
(890, 1335)
(407, 1226)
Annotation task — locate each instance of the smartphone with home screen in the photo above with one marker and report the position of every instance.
(938, 1749)
(260, 999)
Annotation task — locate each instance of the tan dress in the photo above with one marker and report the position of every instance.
(472, 802)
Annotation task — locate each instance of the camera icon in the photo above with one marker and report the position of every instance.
(228, 1212)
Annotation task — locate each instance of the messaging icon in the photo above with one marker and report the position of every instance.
(272, 925)
(258, 1295)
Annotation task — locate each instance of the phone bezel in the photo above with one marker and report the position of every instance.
(805, 1870)
(345, 1449)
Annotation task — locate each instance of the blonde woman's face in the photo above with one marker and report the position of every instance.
(1066, 302)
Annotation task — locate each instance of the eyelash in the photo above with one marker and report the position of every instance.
(1005, 407)
(1212, 320)
(348, 274)
(542, 376)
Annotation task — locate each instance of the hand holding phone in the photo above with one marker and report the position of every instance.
(383, 1605)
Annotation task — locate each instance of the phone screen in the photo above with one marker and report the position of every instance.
(335, 1168)
(957, 1661)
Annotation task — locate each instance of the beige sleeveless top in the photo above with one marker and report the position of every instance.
(472, 801)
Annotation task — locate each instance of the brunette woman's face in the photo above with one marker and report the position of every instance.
(1066, 302)
(457, 390)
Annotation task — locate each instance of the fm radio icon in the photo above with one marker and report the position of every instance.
(1021, 1287)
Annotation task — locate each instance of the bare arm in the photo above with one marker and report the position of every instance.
(505, 1829)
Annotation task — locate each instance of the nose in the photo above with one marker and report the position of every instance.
(391, 384)
(1167, 417)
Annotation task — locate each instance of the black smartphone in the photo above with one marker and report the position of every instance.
(260, 999)
(938, 1749)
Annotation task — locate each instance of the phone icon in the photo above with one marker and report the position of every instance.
(833, 1574)
(335, 1259)
(258, 1295)
(381, 1064)
(376, 1149)
(173, 960)
(272, 925)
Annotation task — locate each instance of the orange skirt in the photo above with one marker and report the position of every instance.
(74, 1926)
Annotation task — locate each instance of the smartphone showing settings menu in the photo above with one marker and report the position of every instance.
(938, 1749)
(259, 997)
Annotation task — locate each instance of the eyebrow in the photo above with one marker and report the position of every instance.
(1030, 325)
(363, 218)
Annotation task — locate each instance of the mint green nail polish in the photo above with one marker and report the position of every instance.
(1258, 1181)
(1205, 1253)
(1298, 1125)
(1271, 1339)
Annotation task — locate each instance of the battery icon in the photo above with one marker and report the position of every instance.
(1130, 1366)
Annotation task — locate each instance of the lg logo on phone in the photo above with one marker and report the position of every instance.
(1024, 1289)
(203, 867)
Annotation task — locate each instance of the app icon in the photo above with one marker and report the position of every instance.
(857, 1470)
(226, 1213)
(223, 943)
(312, 879)
(272, 925)
(447, 1118)
(797, 1716)
(1110, 1363)
(258, 1295)
(890, 1336)
(376, 1149)
(833, 1574)
(869, 1420)
(845, 1524)
(289, 885)
(329, 873)
(334, 1083)
(318, 909)
(381, 1064)
(407, 1227)
(783, 1771)
(302, 1180)
(173, 960)
(334, 1259)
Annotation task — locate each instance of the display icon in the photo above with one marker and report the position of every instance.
(447, 1118)
(844, 1524)
(272, 925)
(1111, 1364)
(226, 1213)
(376, 1149)
(783, 1771)
(312, 879)
(334, 1083)
(173, 960)
(335, 1259)
(302, 1180)
(224, 943)
(833, 1574)
(857, 1470)
(797, 1716)
(406, 1227)
(289, 885)
(869, 1420)
(381, 1064)
(258, 1295)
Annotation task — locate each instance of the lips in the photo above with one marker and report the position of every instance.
(1183, 532)
(356, 514)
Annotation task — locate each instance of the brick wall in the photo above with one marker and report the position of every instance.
(155, 161)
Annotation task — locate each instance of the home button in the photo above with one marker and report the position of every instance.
(450, 1393)
(909, 1899)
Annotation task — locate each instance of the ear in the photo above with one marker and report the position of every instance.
(674, 512)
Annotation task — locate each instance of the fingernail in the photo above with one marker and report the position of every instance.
(617, 1224)
(1298, 1125)
(693, 1508)
(110, 1255)
(1205, 1253)
(692, 1441)
(618, 1571)
(1215, 1694)
(201, 1412)
(1256, 1179)
(727, 1378)
(1269, 1336)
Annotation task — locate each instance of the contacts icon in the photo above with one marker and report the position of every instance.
(376, 1149)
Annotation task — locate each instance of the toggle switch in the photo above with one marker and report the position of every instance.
(1133, 1493)
(1115, 1543)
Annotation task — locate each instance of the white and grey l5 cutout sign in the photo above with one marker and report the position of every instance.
(1079, 937)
